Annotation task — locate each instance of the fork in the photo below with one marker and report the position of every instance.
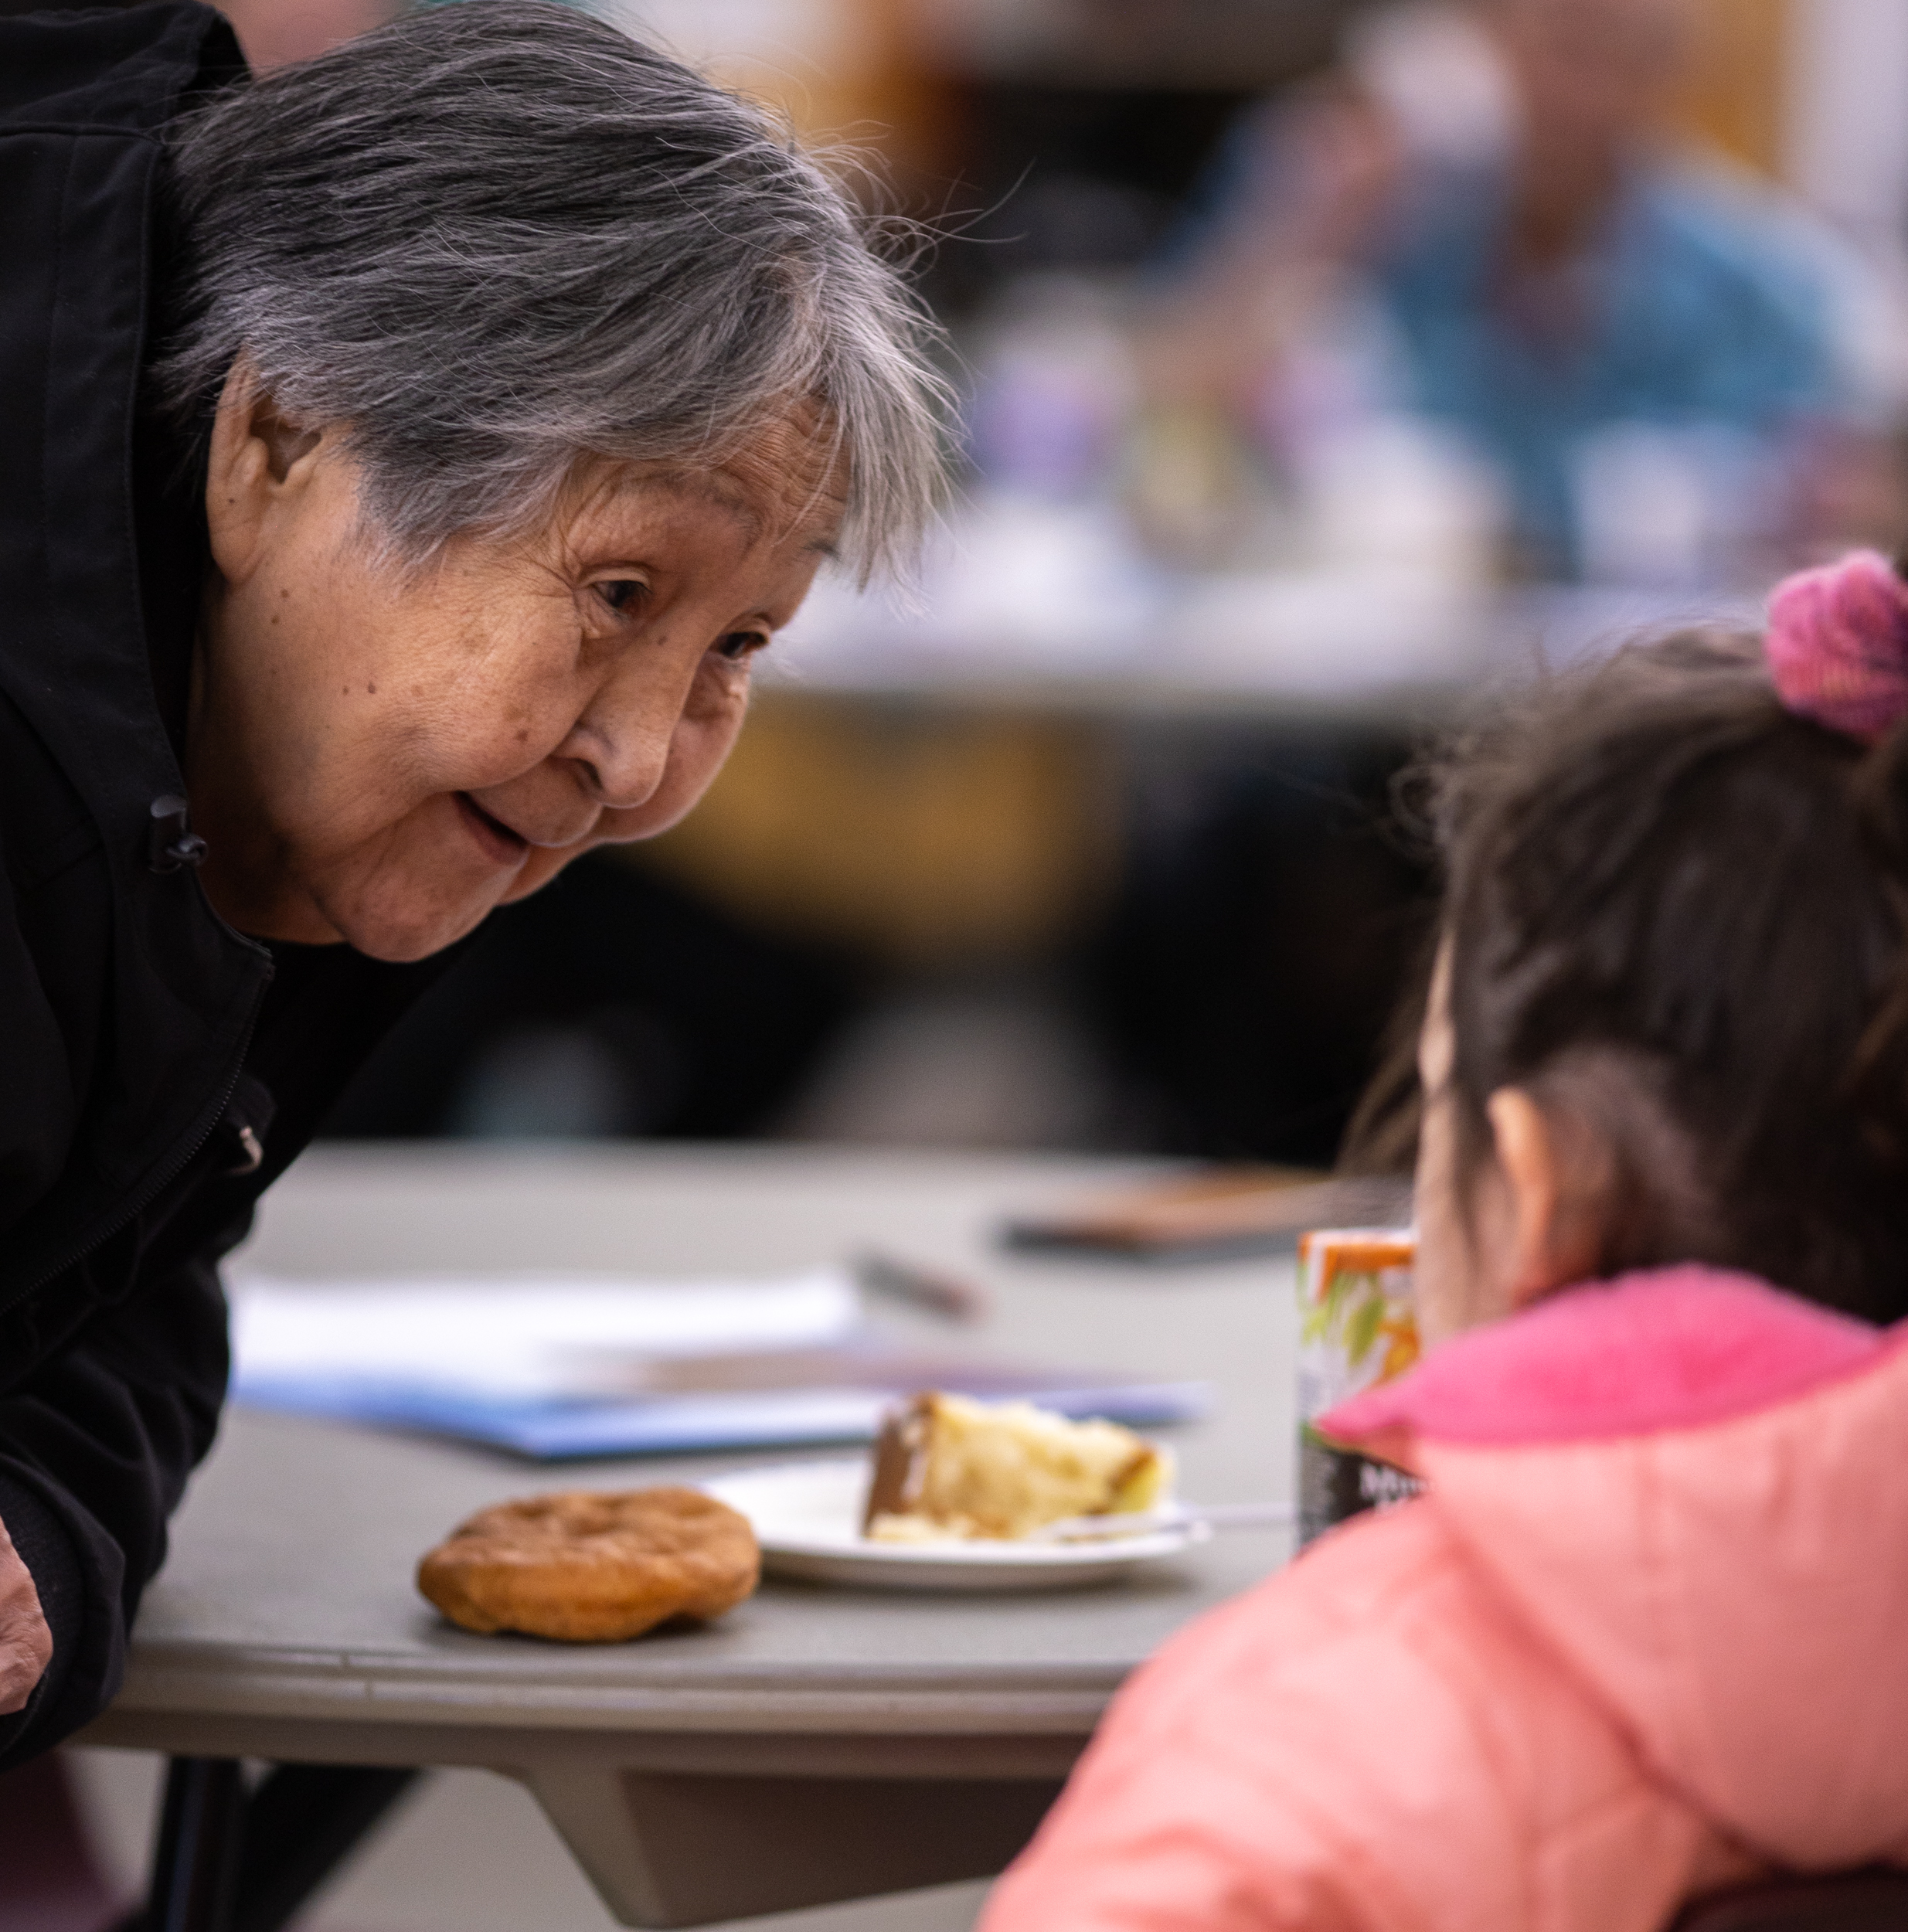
(1142, 1523)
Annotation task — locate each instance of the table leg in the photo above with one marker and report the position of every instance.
(304, 1821)
(224, 1863)
(196, 1858)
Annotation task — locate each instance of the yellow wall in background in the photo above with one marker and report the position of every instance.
(1733, 97)
(845, 72)
(916, 836)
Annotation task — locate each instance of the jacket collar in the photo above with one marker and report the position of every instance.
(81, 103)
(1664, 1349)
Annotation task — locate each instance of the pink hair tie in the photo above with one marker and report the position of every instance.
(1837, 645)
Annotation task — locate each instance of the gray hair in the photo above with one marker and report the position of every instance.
(495, 240)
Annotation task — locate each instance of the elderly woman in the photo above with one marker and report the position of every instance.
(409, 452)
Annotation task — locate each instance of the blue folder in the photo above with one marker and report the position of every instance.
(554, 1430)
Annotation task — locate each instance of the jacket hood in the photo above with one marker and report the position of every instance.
(1694, 1488)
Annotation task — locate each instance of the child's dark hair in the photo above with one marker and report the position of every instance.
(1676, 916)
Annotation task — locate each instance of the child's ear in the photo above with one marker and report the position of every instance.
(1554, 1231)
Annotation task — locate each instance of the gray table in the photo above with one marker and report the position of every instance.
(817, 1744)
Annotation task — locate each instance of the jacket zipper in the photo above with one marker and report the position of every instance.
(151, 1192)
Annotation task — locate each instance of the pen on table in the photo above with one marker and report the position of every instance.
(943, 1295)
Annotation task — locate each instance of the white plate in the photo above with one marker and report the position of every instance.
(807, 1517)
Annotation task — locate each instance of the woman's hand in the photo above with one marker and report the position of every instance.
(26, 1645)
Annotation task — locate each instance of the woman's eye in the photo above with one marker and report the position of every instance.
(621, 593)
(739, 646)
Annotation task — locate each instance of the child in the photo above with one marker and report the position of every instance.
(1647, 1633)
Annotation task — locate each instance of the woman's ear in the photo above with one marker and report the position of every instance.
(259, 466)
(1554, 1231)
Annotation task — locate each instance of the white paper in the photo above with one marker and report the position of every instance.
(522, 1335)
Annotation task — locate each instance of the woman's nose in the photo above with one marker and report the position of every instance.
(623, 772)
(621, 743)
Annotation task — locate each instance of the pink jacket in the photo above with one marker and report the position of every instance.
(1646, 1635)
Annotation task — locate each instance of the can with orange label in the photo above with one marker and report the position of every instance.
(1358, 1327)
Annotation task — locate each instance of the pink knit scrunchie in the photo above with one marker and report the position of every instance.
(1837, 645)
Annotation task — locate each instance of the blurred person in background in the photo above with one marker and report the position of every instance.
(1482, 225)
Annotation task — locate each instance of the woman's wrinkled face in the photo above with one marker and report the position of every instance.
(381, 757)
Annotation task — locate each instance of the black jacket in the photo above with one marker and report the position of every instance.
(147, 1052)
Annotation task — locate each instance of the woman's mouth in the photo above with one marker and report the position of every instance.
(499, 842)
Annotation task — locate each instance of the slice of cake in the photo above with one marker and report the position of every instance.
(946, 1466)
